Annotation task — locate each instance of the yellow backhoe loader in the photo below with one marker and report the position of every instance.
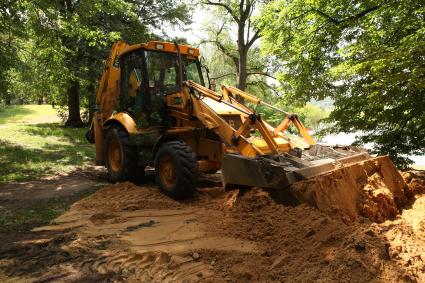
(153, 108)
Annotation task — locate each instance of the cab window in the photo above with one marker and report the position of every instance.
(192, 70)
(162, 69)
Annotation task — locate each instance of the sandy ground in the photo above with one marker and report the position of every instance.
(133, 233)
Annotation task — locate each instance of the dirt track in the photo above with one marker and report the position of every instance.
(134, 233)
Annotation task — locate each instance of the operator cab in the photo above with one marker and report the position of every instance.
(150, 74)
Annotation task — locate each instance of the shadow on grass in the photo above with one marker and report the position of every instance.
(30, 215)
(11, 113)
(24, 219)
(19, 163)
(72, 135)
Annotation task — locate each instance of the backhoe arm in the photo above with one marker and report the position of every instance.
(233, 137)
(290, 118)
(106, 96)
(109, 83)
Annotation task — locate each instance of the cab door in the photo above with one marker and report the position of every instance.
(162, 80)
(133, 83)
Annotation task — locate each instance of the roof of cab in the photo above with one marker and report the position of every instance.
(165, 47)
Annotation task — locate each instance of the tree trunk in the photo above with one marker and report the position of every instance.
(92, 101)
(243, 53)
(242, 73)
(74, 118)
(242, 66)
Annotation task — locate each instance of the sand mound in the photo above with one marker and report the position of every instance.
(373, 189)
(128, 233)
(303, 244)
(416, 182)
(126, 197)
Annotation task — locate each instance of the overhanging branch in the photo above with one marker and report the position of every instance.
(225, 6)
(261, 74)
(254, 38)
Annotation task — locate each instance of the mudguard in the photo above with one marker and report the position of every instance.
(123, 119)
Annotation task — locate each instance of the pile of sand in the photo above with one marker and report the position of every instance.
(127, 233)
(415, 181)
(302, 244)
(373, 189)
(126, 197)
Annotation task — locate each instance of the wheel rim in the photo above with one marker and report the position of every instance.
(114, 154)
(167, 171)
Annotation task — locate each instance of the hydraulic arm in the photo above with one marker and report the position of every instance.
(107, 95)
(252, 121)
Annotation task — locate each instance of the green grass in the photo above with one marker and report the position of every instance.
(33, 143)
(28, 114)
(26, 218)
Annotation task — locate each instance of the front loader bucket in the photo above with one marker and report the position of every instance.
(351, 186)
(258, 172)
(268, 173)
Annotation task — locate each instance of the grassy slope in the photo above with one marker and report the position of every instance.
(32, 143)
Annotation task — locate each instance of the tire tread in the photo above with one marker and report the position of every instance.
(189, 173)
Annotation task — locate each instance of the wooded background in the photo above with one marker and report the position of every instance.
(365, 58)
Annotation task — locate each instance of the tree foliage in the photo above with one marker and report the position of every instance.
(11, 28)
(66, 42)
(224, 70)
(234, 36)
(369, 56)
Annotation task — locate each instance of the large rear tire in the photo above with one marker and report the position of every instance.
(120, 156)
(176, 169)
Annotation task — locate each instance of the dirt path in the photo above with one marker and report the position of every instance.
(27, 193)
(25, 205)
(129, 233)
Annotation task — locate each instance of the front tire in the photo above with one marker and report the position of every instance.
(176, 169)
(120, 156)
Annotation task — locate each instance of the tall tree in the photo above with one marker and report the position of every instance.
(369, 56)
(223, 70)
(81, 33)
(239, 15)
